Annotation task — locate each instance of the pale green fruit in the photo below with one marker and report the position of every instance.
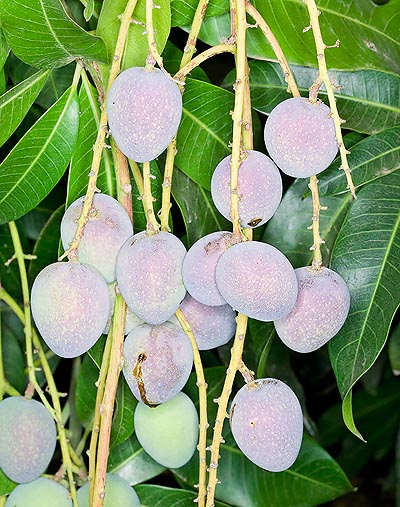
(168, 432)
(27, 438)
(118, 493)
(39, 493)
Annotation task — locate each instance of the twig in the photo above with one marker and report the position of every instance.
(323, 77)
(201, 384)
(152, 226)
(289, 78)
(318, 241)
(154, 54)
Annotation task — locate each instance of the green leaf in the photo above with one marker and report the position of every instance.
(4, 49)
(9, 273)
(6, 484)
(132, 463)
(89, 10)
(366, 255)
(38, 161)
(378, 419)
(125, 404)
(46, 246)
(206, 123)
(372, 158)
(368, 34)
(15, 103)
(151, 496)
(11, 332)
(368, 100)
(136, 49)
(315, 476)
(294, 216)
(29, 28)
(59, 80)
(183, 10)
(200, 215)
(394, 350)
(89, 119)
(86, 391)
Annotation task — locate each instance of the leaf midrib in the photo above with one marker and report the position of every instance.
(43, 148)
(349, 18)
(203, 126)
(371, 303)
(53, 33)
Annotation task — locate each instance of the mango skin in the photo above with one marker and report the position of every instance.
(107, 229)
(144, 111)
(167, 361)
(70, 306)
(267, 423)
(169, 432)
(149, 275)
(256, 279)
(27, 438)
(39, 493)
(321, 309)
(118, 493)
(259, 189)
(300, 137)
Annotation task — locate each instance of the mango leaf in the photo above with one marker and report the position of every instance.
(45, 24)
(46, 246)
(151, 496)
(12, 332)
(394, 350)
(37, 162)
(9, 273)
(294, 216)
(6, 484)
(378, 419)
(4, 49)
(85, 399)
(136, 49)
(183, 10)
(130, 461)
(368, 100)
(125, 404)
(368, 34)
(366, 255)
(82, 156)
(15, 103)
(314, 475)
(198, 211)
(206, 122)
(372, 158)
(58, 81)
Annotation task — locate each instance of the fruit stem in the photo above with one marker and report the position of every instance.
(100, 384)
(190, 47)
(234, 365)
(107, 404)
(318, 241)
(188, 52)
(202, 57)
(72, 252)
(266, 30)
(202, 385)
(31, 337)
(152, 226)
(154, 55)
(323, 77)
(124, 188)
(238, 152)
